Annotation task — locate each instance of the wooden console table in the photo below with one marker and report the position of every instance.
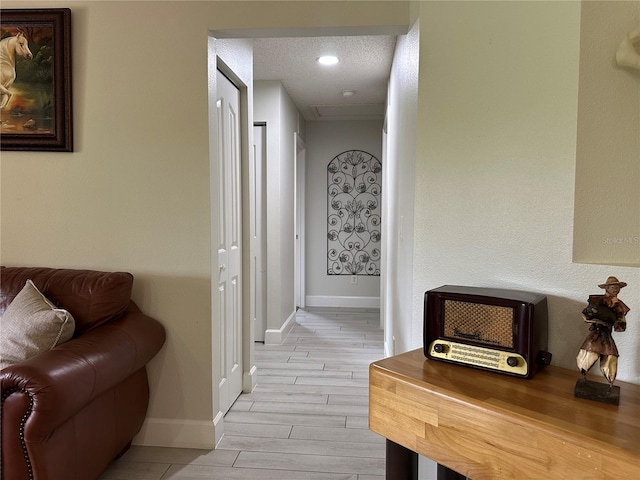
(487, 425)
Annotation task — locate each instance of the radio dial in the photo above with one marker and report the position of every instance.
(438, 348)
(512, 361)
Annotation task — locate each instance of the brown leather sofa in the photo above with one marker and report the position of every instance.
(68, 412)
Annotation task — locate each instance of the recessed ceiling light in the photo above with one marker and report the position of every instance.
(348, 93)
(328, 60)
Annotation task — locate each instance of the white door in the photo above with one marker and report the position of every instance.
(258, 231)
(229, 242)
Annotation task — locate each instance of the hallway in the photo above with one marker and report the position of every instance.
(307, 419)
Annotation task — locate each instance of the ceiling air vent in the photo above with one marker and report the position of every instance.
(354, 111)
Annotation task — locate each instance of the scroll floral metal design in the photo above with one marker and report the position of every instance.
(354, 180)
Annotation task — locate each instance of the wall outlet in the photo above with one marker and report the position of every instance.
(354, 279)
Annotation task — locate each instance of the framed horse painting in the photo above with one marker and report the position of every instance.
(35, 80)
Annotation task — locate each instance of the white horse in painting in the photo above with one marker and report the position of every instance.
(9, 48)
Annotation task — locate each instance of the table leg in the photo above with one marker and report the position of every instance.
(402, 463)
(445, 473)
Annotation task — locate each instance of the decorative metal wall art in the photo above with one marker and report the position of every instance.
(354, 188)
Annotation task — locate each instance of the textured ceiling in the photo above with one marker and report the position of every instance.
(365, 64)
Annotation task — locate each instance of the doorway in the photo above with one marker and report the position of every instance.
(242, 64)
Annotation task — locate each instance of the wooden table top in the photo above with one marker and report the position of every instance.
(490, 425)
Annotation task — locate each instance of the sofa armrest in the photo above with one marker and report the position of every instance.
(61, 381)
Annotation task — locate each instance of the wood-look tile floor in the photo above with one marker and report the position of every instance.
(307, 418)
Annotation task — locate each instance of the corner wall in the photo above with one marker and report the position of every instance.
(400, 184)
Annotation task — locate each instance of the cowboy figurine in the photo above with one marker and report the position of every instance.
(603, 313)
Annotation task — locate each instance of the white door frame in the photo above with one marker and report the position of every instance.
(385, 280)
(258, 229)
(299, 225)
(214, 36)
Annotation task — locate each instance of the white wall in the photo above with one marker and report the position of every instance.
(325, 140)
(134, 195)
(399, 198)
(273, 105)
(497, 113)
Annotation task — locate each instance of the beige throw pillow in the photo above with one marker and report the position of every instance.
(31, 324)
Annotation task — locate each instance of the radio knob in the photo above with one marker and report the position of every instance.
(438, 348)
(512, 361)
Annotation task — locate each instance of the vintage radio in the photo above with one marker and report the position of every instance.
(500, 330)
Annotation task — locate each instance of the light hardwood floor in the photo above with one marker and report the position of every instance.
(307, 418)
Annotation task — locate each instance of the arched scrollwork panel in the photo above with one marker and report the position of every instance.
(354, 180)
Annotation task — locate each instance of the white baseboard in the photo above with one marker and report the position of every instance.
(166, 432)
(218, 424)
(249, 380)
(274, 336)
(344, 302)
(389, 349)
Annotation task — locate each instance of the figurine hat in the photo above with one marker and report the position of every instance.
(612, 281)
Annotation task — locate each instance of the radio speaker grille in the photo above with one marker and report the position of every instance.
(488, 324)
